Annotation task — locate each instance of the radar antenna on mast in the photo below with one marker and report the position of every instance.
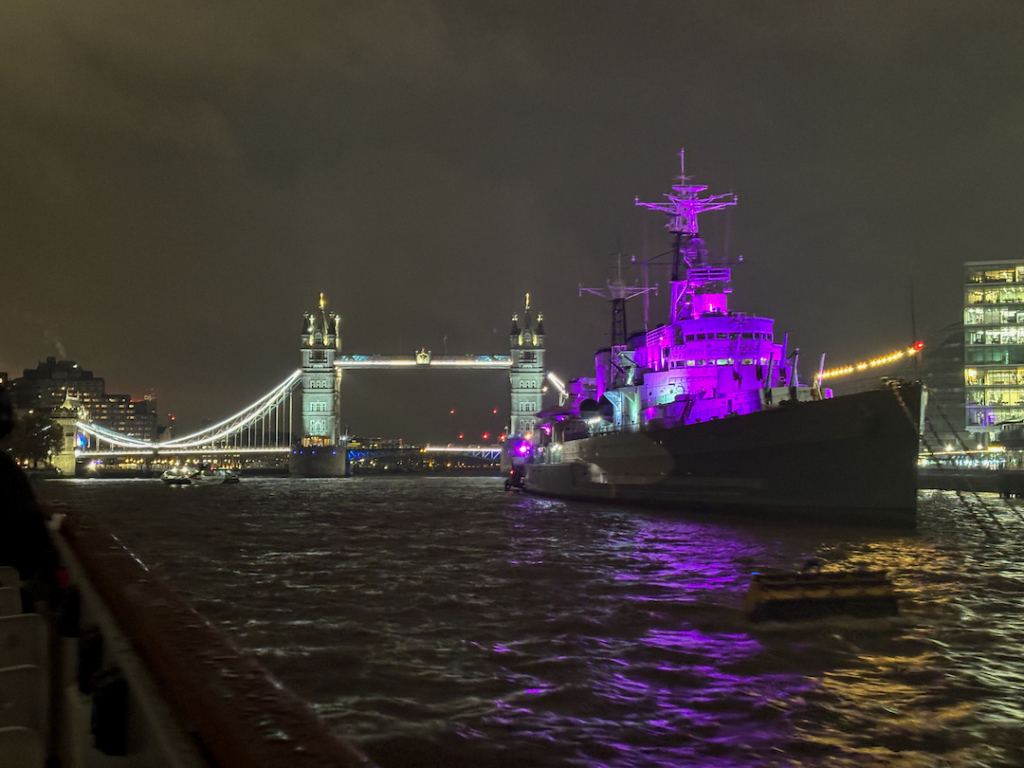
(683, 207)
(686, 205)
(619, 293)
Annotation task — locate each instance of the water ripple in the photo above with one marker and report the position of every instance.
(441, 621)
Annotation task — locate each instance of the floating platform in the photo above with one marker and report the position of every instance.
(815, 595)
(1005, 482)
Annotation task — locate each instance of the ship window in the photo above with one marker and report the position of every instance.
(748, 335)
(700, 362)
(724, 361)
(691, 363)
(721, 335)
(700, 337)
(748, 361)
(734, 336)
(689, 337)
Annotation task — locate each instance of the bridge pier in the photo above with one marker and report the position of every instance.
(322, 461)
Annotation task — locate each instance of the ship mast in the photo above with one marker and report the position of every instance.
(683, 207)
(619, 293)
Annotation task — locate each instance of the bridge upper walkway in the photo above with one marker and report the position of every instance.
(423, 360)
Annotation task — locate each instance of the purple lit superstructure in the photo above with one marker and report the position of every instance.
(706, 362)
(707, 410)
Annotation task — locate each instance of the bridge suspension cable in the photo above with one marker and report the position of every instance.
(264, 424)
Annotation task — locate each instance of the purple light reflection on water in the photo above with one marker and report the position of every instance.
(660, 681)
(442, 622)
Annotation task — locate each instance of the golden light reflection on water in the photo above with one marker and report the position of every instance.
(943, 681)
(470, 622)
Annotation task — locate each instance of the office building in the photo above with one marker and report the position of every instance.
(993, 347)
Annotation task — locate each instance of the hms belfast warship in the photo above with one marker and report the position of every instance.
(707, 413)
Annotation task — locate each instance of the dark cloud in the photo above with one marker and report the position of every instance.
(180, 179)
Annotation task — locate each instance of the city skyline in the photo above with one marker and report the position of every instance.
(175, 202)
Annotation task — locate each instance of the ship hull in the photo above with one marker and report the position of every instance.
(844, 460)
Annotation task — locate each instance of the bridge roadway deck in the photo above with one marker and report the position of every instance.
(481, 451)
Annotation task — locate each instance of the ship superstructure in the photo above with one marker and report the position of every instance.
(706, 362)
(707, 410)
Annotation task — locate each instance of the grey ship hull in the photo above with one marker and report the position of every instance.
(845, 460)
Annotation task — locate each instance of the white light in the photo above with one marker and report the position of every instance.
(496, 362)
(456, 449)
(207, 436)
(182, 451)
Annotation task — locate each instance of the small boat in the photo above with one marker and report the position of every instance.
(208, 476)
(198, 476)
(795, 596)
(178, 476)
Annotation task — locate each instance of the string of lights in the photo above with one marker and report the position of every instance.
(892, 357)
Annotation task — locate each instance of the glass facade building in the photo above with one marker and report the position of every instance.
(993, 346)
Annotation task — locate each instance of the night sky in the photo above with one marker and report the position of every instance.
(179, 179)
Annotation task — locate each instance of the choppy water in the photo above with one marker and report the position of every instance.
(440, 621)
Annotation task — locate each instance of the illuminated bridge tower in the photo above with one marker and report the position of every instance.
(321, 451)
(526, 375)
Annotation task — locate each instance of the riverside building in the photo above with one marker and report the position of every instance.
(993, 347)
(50, 383)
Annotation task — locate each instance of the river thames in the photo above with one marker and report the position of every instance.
(441, 621)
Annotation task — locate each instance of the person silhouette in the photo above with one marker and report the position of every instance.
(24, 541)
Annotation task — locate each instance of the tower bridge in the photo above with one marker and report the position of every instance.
(313, 442)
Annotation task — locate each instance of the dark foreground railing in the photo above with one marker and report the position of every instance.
(236, 714)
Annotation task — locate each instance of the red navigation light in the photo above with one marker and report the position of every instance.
(461, 436)
(487, 435)
(919, 345)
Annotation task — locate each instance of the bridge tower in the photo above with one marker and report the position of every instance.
(526, 375)
(66, 417)
(321, 450)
